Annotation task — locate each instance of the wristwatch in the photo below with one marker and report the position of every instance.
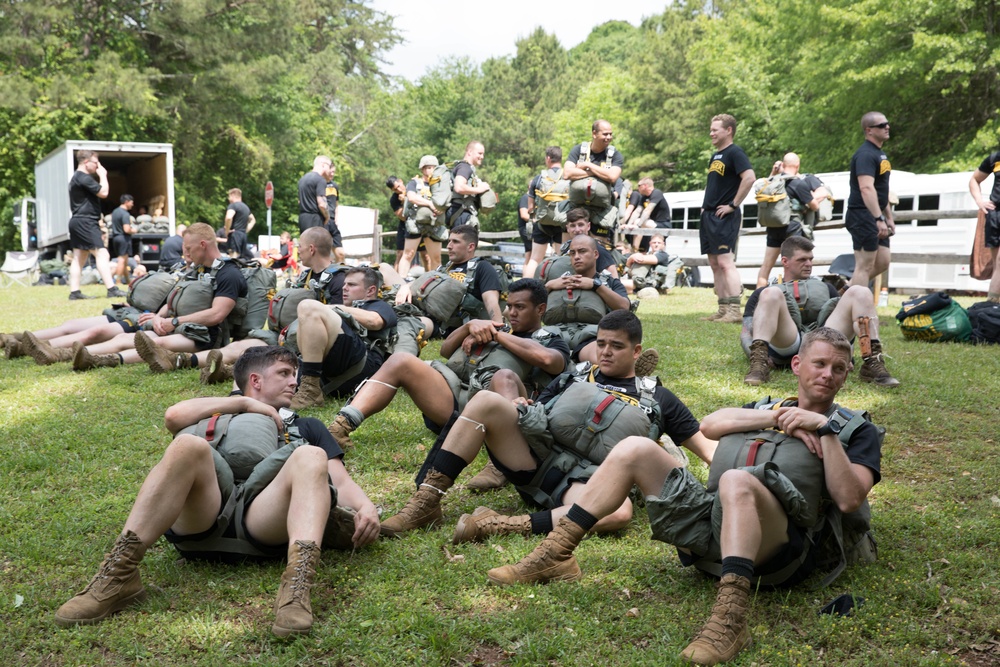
(175, 323)
(881, 217)
(598, 282)
(831, 427)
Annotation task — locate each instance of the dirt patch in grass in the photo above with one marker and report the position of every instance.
(485, 655)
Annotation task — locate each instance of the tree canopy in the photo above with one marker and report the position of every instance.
(251, 91)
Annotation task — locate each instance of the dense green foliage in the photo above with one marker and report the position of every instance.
(251, 91)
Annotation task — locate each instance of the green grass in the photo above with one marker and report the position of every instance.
(76, 447)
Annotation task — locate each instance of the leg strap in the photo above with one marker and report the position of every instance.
(479, 427)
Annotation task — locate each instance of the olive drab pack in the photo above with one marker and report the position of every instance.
(773, 206)
(441, 184)
(553, 267)
(796, 477)
(660, 276)
(261, 285)
(808, 302)
(248, 453)
(283, 308)
(149, 292)
(574, 431)
(593, 192)
(550, 189)
(583, 306)
(450, 301)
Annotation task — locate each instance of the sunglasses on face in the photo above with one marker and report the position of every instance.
(881, 126)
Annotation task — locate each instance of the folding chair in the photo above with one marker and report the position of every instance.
(19, 267)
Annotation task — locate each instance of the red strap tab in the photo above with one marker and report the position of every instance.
(795, 289)
(600, 408)
(752, 454)
(210, 429)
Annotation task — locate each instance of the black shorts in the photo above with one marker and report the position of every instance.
(863, 228)
(307, 220)
(777, 235)
(338, 240)
(401, 235)
(993, 229)
(719, 235)
(268, 551)
(522, 231)
(126, 325)
(121, 246)
(347, 350)
(85, 234)
(546, 234)
(460, 217)
(238, 244)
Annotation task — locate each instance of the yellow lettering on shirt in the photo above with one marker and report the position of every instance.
(996, 167)
(718, 166)
(330, 190)
(458, 275)
(884, 167)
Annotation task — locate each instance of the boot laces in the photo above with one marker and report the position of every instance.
(299, 584)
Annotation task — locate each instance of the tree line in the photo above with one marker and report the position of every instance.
(250, 91)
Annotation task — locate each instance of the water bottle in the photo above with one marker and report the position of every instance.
(883, 299)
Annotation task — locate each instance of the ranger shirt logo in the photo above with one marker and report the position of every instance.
(884, 167)
(996, 167)
(457, 275)
(718, 166)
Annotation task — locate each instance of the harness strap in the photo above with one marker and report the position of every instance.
(599, 410)
(210, 427)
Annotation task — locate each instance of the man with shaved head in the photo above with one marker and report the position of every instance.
(313, 207)
(869, 217)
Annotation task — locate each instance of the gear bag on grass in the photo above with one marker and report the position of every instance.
(950, 323)
(984, 318)
(661, 276)
(796, 477)
(773, 207)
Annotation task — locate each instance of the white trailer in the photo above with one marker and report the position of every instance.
(143, 170)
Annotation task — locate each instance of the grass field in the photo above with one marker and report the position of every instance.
(76, 447)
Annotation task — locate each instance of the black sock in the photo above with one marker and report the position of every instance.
(541, 522)
(121, 360)
(581, 517)
(193, 363)
(311, 368)
(448, 464)
(742, 567)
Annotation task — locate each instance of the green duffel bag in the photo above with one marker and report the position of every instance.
(949, 323)
(591, 192)
(438, 295)
(149, 292)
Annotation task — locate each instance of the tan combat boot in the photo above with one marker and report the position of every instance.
(309, 395)
(873, 369)
(422, 509)
(726, 633)
(292, 609)
(489, 478)
(159, 359)
(42, 352)
(115, 586)
(731, 314)
(341, 430)
(12, 347)
(552, 560)
(760, 368)
(484, 522)
(83, 360)
(647, 362)
(339, 531)
(216, 370)
(717, 314)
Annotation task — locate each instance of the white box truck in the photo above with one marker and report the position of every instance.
(143, 170)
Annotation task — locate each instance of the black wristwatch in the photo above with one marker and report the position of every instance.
(881, 217)
(175, 323)
(831, 427)
(597, 282)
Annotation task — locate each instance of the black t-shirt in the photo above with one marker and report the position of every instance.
(600, 159)
(676, 420)
(332, 197)
(171, 251)
(538, 378)
(869, 160)
(635, 199)
(119, 218)
(334, 289)
(801, 189)
(315, 433)
(755, 297)
(863, 448)
(724, 171)
(485, 280)
(384, 311)
(396, 204)
(661, 209)
(241, 217)
(230, 283)
(991, 165)
(83, 199)
(465, 170)
(311, 185)
(522, 203)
